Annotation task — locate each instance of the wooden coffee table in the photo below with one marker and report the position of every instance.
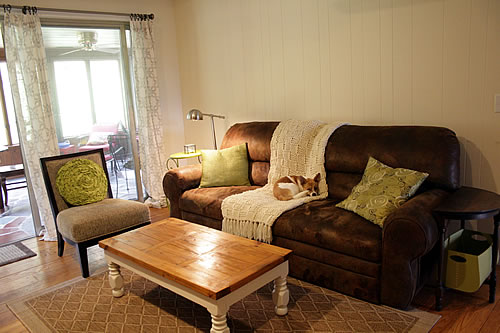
(207, 266)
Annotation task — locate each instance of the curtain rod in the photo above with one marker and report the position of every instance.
(76, 11)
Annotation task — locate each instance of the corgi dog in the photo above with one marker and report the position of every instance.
(294, 187)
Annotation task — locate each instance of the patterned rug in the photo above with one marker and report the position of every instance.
(87, 306)
(14, 252)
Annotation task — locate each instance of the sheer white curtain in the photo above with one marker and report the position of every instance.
(27, 67)
(147, 99)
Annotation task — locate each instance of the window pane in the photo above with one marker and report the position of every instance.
(73, 97)
(107, 90)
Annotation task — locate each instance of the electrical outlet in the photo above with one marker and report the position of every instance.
(496, 105)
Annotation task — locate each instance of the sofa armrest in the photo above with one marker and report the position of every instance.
(177, 181)
(408, 234)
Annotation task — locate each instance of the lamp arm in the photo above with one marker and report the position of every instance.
(213, 115)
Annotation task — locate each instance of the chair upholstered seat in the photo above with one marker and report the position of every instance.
(83, 223)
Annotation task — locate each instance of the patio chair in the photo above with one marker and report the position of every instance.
(85, 225)
(119, 154)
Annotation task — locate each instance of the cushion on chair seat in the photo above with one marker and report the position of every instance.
(86, 222)
(105, 147)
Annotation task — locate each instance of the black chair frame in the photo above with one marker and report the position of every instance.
(82, 246)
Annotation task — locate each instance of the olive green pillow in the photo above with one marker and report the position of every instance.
(81, 182)
(382, 190)
(225, 167)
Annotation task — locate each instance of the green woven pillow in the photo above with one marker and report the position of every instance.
(382, 190)
(225, 167)
(81, 182)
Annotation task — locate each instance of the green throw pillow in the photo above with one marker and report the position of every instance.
(81, 182)
(382, 190)
(225, 167)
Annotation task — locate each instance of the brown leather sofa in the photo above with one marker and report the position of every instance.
(333, 247)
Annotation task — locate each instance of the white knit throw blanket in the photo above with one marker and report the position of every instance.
(297, 149)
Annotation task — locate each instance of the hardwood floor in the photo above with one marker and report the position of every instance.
(462, 312)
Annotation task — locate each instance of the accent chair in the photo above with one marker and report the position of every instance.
(84, 226)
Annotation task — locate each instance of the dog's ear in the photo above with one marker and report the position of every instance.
(302, 180)
(317, 177)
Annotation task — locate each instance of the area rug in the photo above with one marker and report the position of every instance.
(14, 252)
(87, 306)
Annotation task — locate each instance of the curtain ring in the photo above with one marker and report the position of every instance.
(25, 10)
(7, 8)
(151, 16)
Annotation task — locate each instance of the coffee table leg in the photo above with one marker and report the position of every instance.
(115, 279)
(219, 324)
(281, 296)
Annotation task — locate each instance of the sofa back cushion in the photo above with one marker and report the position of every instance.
(434, 150)
(258, 136)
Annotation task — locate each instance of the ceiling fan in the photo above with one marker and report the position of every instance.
(88, 42)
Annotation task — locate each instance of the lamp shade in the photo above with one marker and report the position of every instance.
(194, 114)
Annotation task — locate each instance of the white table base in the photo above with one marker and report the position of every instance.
(217, 308)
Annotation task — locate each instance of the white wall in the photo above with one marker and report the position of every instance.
(165, 51)
(429, 62)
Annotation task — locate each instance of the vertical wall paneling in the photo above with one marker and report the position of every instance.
(236, 90)
(371, 61)
(476, 105)
(341, 61)
(212, 71)
(276, 43)
(325, 87)
(293, 57)
(386, 62)
(312, 65)
(455, 60)
(266, 59)
(253, 60)
(456, 66)
(188, 65)
(427, 62)
(402, 66)
(490, 179)
(357, 61)
(422, 62)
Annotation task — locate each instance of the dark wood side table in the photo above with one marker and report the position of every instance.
(467, 203)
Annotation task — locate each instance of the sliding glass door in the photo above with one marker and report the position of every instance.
(90, 84)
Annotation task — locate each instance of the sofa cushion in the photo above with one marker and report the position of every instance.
(434, 150)
(321, 224)
(258, 136)
(382, 190)
(207, 201)
(225, 167)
